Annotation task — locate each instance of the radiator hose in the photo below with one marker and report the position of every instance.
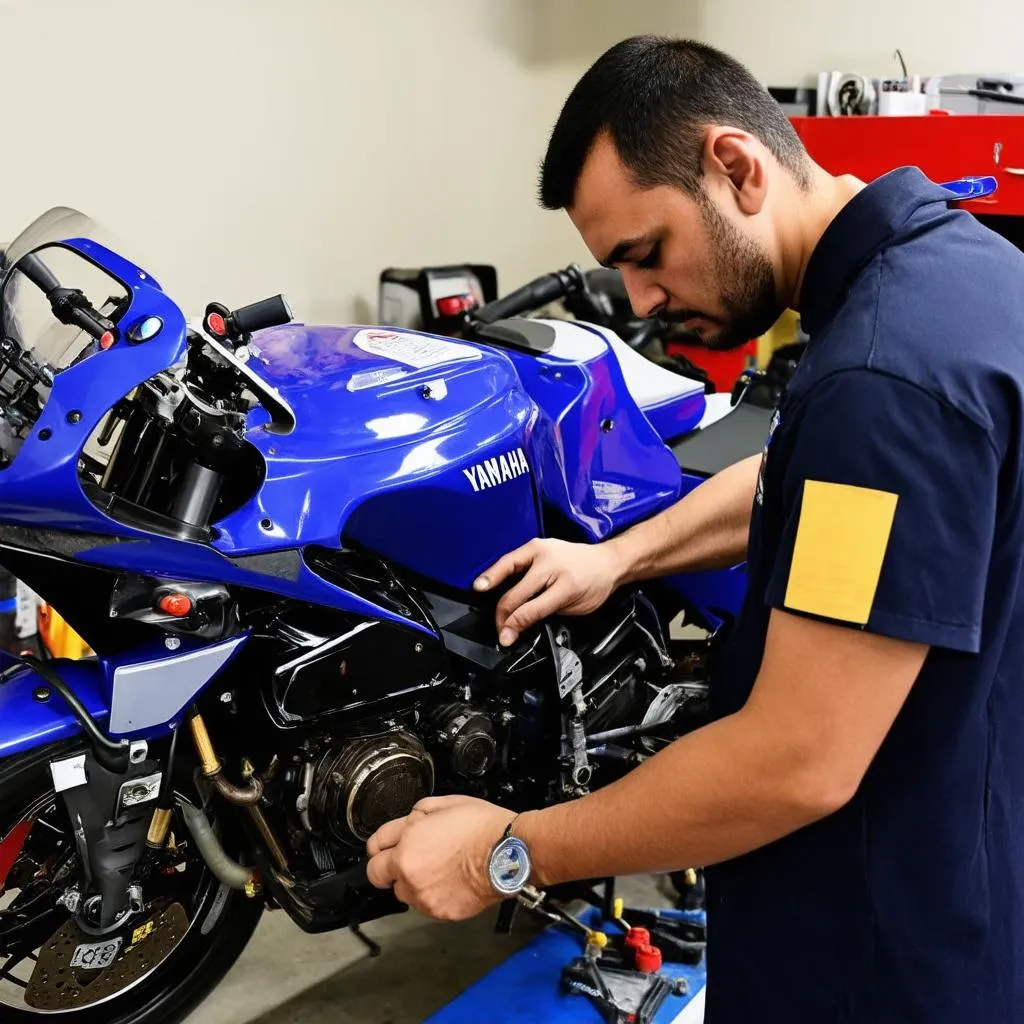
(224, 869)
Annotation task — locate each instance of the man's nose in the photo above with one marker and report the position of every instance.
(646, 296)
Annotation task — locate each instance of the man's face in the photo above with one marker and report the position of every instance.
(681, 258)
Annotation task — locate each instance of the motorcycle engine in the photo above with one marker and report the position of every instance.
(368, 782)
(466, 737)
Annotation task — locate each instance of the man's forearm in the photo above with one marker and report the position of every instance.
(707, 529)
(721, 791)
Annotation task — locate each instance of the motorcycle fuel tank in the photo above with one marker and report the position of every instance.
(413, 446)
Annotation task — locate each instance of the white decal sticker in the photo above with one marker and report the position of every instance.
(69, 773)
(612, 496)
(413, 349)
(374, 378)
(96, 956)
(26, 617)
(492, 472)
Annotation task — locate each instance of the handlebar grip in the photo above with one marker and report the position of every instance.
(645, 333)
(84, 321)
(536, 293)
(38, 273)
(273, 312)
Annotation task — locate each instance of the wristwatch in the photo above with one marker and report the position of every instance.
(509, 866)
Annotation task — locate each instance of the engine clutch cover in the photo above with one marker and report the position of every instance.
(368, 783)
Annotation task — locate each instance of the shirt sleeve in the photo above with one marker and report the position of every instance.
(889, 502)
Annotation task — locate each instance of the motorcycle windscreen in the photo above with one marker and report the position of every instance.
(35, 345)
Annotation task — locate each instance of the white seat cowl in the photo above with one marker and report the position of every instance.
(649, 384)
(716, 407)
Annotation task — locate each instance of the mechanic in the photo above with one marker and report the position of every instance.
(859, 797)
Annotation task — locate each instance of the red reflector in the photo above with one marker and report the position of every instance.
(450, 305)
(10, 848)
(215, 324)
(107, 339)
(178, 605)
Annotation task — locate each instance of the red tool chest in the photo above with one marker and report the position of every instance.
(944, 146)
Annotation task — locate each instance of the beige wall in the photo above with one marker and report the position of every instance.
(243, 147)
(935, 36)
(786, 42)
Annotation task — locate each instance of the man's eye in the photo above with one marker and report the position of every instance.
(651, 259)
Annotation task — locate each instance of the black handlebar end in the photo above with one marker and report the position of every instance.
(272, 312)
(533, 295)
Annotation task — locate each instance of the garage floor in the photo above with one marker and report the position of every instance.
(288, 977)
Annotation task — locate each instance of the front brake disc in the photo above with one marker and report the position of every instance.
(75, 970)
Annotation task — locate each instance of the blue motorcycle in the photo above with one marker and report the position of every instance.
(267, 532)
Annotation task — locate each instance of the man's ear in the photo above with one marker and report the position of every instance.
(732, 158)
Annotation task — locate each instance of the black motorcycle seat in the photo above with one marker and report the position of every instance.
(736, 435)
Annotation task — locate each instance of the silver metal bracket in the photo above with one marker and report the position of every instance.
(138, 791)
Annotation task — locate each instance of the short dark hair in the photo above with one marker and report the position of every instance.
(653, 95)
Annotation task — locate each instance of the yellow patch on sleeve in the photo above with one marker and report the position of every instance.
(840, 544)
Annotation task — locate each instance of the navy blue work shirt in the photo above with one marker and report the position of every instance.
(891, 501)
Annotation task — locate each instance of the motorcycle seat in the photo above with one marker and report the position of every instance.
(722, 440)
(650, 385)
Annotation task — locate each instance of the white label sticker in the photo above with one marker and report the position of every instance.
(27, 611)
(611, 497)
(413, 349)
(96, 956)
(374, 378)
(68, 774)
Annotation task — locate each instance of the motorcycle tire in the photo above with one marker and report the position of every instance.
(180, 982)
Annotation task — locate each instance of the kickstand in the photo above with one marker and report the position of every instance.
(365, 939)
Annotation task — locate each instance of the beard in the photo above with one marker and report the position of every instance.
(746, 283)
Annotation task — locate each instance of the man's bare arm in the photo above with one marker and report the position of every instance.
(706, 529)
(824, 700)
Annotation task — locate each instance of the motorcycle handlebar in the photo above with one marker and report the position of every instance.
(39, 274)
(646, 332)
(272, 312)
(536, 293)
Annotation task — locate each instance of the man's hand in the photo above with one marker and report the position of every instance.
(436, 858)
(574, 579)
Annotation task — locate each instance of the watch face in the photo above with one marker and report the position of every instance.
(510, 866)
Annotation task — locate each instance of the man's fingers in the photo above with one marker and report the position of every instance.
(547, 603)
(380, 870)
(403, 893)
(529, 586)
(430, 804)
(386, 836)
(515, 561)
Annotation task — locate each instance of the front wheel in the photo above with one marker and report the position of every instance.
(159, 964)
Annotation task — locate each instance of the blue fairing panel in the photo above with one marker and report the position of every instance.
(412, 446)
(26, 723)
(601, 464)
